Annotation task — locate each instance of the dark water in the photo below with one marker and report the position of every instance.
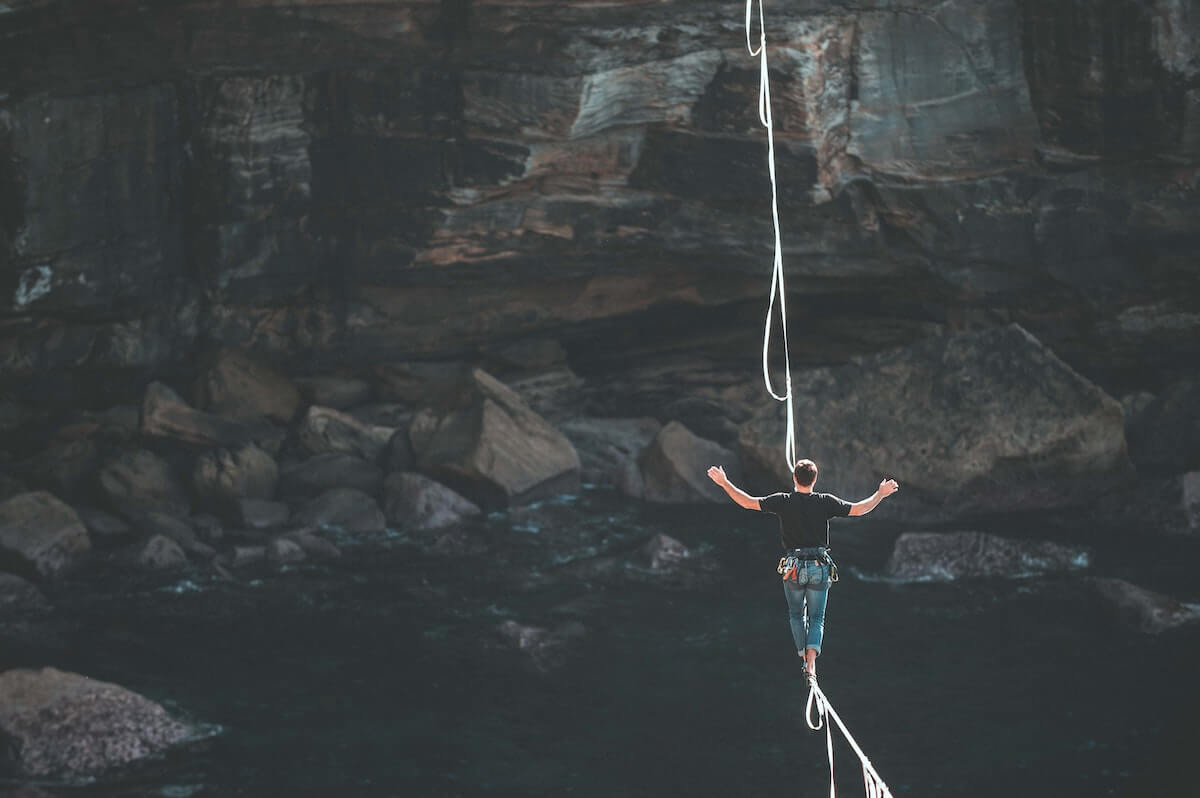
(382, 674)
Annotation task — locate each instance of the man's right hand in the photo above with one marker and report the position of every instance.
(887, 487)
(717, 475)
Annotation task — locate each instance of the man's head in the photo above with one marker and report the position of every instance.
(805, 473)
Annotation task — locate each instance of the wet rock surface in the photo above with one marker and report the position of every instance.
(162, 553)
(327, 430)
(102, 526)
(238, 385)
(544, 648)
(937, 556)
(1143, 610)
(1191, 499)
(19, 598)
(140, 481)
(609, 448)
(67, 726)
(979, 422)
(343, 509)
(323, 472)
(483, 440)
(664, 552)
(166, 415)
(674, 467)
(419, 504)
(41, 535)
(224, 476)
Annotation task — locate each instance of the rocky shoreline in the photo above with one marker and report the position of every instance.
(281, 278)
(260, 473)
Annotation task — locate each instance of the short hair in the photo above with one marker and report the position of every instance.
(805, 473)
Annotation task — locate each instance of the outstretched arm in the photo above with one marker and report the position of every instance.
(717, 475)
(886, 488)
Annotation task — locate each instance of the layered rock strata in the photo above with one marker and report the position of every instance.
(335, 183)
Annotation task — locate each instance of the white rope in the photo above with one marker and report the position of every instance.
(874, 784)
(872, 781)
(777, 287)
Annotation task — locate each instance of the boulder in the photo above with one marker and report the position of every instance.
(166, 415)
(1191, 499)
(455, 541)
(283, 551)
(384, 414)
(417, 503)
(163, 525)
(313, 544)
(139, 480)
(674, 467)
(161, 553)
(102, 526)
(417, 382)
(208, 528)
(345, 510)
(19, 598)
(399, 455)
(63, 725)
(977, 422)
(236, 384)
(328, 471)
(1144, 610)
(1164, 430)
(609, 447)
(243, 556)
(42, 535)
(944, 556)
(663, 552)
(1149, 505)
(327, 430)
(64, 466)
(716, 419)
(340, 393)
(554, 395)
(258, 514)
(119, 424)
(224, 475)
(545, 648)
(486, 443)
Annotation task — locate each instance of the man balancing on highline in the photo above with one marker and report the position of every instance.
(804, 530)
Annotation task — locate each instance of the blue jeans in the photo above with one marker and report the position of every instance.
(806, 599)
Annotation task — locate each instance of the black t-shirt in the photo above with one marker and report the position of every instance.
(804, 517)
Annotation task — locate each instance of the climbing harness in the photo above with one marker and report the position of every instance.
(875, 786)
(778, 291)
(790, 564)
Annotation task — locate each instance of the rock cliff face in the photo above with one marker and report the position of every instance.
(338, 182)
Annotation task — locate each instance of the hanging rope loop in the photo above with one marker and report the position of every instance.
(825, 716)
(778, 290)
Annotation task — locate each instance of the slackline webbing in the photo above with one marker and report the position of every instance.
(875, 786)
(873, 782)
